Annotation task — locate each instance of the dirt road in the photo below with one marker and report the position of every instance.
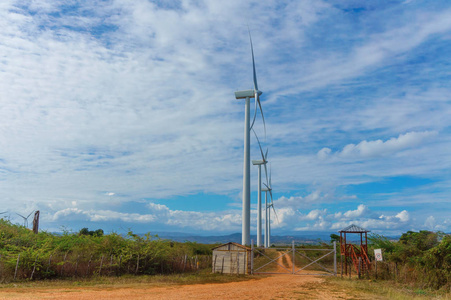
(274, 287)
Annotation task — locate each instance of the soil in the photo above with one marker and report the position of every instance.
(270, 287)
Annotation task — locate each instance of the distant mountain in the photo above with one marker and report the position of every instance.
(308, 238)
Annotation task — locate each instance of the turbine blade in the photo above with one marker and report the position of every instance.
(20, 215)
(261, 111)
(278, 222)
(253, 62)
(270, 174)
(30, 214)
(263, 156)
(259, 145)
(255, 113)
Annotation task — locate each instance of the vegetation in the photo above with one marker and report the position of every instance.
(419, 259)
(25, 255)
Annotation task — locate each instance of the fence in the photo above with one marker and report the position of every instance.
(296, 260)
(86, 265)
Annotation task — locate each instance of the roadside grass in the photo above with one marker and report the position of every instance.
(388, 289)
(202, 277)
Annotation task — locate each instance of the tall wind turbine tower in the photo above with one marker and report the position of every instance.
(247, 95)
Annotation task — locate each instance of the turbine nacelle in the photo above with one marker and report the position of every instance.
(247, 94)
(259, 162)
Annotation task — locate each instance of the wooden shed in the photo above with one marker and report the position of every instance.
(231, 258)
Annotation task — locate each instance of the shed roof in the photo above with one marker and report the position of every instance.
(232, 243)
(354, 229)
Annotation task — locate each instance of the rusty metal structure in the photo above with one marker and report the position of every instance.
(354, 254)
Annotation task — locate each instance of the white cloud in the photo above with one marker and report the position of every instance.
(403, 216)
(361, 210)
(137, 97)
(366, 149)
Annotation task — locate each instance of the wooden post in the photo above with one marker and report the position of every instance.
(293, 249)
(222, 268)
(76, 265)
(89, 263)
(64, 261)
(101, 264)
(214, 264)
(48, 266)
(184, 263)
(252, 258)
(111, 264)
(238, 263)
(17, 266)
(137, 265)
(34, 267)
(396, 270)
(375, 267)
(335, 258)
(120, 265)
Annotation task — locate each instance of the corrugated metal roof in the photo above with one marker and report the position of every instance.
(232, 243)
(354, 229)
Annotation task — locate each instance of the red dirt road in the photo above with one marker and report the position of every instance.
(261, 288)
(274, 287)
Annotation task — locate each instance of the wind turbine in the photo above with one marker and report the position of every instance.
(268, 188)
(248, 94)
(259, 163)
(25, 219)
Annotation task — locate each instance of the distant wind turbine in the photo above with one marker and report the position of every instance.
(268, 206)
(259, 163)
(25, 219)
(248, 94)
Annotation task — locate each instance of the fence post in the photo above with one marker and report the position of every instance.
(335, 258)
(214, 265)
(120, 264)
(34, 267)
(375, 267)
(238, 263)
(48, 266)
(137, 265)
(293, 255)
(222, 267)
(89, 263)
(76, 265)
(62, 266)
(17, 266)
(341, 263)
(101, 265)
(252, 257)
(184, 263)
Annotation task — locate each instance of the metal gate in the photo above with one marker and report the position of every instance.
(294, 260)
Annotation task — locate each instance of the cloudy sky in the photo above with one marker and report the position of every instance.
(121, 114)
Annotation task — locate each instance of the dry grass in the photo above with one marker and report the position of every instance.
(130, 280)
(386, 289)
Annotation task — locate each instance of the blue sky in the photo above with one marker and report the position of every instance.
(121, 114)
